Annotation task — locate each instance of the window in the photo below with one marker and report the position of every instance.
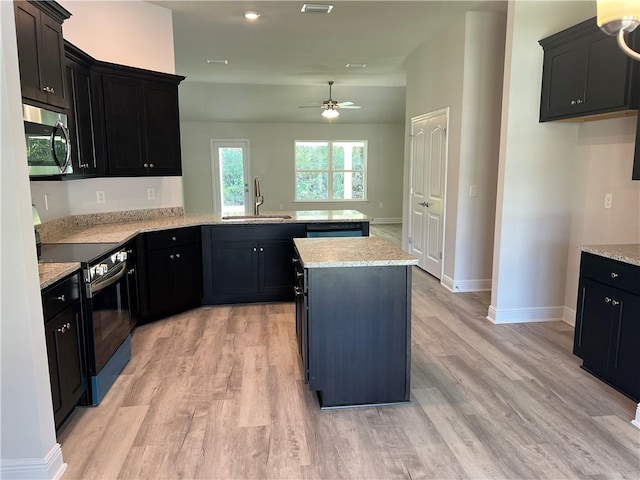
(331, 171)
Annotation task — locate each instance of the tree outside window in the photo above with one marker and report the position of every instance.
(330, 171)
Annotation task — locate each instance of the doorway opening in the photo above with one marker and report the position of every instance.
(231, 171)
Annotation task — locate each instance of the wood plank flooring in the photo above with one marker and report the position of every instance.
(217, 393)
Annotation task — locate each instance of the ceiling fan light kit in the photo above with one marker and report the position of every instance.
(330, 107)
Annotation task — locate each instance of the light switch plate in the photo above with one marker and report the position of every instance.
(473, 190)
(608, 200)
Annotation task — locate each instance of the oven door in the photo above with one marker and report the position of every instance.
(110, 319)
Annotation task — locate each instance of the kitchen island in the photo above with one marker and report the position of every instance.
(353, 320)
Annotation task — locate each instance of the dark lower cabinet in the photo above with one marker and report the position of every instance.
(354, 333)
(64, 338)
(249, 263)
(607, 332)
(169, 272)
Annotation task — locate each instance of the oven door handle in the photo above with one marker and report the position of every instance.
(100, 285)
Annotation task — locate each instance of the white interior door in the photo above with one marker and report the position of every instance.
(231, 176)
(428, 171)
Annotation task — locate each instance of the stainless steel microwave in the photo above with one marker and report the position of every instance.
(48, 142)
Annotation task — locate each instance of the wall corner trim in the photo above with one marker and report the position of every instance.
(569, 316)
(525, 315)
(52, 466)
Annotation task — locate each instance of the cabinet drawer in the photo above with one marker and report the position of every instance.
(610, 272)
(59, 296)
(172, 238)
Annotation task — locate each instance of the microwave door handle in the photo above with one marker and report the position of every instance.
(67, 140)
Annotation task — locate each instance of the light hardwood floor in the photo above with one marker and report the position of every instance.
(217, 393)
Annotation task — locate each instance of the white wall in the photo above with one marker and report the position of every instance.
(133, 33)
(29, 448)
(605, 152)
(271, 157)
(462, 69)
(537, 165)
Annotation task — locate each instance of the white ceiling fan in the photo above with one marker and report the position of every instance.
(330, 107)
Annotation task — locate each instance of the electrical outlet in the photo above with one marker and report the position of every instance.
(151, 193)
(100, 197)
(473, 190)
(608, 200)
(381, 205)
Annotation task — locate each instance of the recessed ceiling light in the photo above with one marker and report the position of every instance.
(251, 15)
(218, 62)
(316, 8)
(356, 65)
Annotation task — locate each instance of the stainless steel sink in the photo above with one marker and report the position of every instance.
(256, 217)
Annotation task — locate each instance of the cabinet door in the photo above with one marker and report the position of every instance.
(27, 32)
(162, 128)
(188, 276)
(276, 270)
(235, 268)
(594, 325)
(161, 281)
(81, 126)
(564, 80)
(124, 125)
(607, 74)
(625, 358)
(66, 369)
(52, 62)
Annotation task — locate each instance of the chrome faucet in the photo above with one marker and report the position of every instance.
(257, 198)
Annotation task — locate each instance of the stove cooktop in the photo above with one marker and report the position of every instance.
(75, 252)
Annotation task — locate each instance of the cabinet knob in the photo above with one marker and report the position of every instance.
(615, 303)
(573, 102)
(171, 256)
(255, 249)
(578, 101)
(151, 165)
(607, 299)
(297, 291)
(614, 275)
(173, 238)
(294, 260)
(177, 255)
(261, 249)
(131, 271)
(61, 298)
(62, 329)
(146, 165)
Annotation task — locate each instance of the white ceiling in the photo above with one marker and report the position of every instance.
(285, 58)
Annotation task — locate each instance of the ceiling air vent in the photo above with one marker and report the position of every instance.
(316, 8)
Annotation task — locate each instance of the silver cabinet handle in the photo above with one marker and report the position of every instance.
(607, 299)
(64, 328)
(615, 303)
(297, 291)
(614, 275)
(131, 271)
(299, 274)
(61, 298)
(294, 260)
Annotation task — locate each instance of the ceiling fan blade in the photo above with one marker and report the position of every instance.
(309, 106)
(352, 107)
(344, 104)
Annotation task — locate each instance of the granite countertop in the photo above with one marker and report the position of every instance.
(52, 272)
(119, 227)
(350, 252)
(627, 253)
(124, 231)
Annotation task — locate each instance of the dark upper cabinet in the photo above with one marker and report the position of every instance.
(636, 159)
(585, 74)
(83, 123)
(41, 51)
(141, 122)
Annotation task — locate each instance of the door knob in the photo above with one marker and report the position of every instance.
(424, 204)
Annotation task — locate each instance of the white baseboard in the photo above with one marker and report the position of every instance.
(52, 466)
(569, 316)
(524, 315)
(636, 422)
(383, 220)
(458, 286)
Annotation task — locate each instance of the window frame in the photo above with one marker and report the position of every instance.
(330, 171)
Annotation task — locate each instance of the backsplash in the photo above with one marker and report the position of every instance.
(54, 227)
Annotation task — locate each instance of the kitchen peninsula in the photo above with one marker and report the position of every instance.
(353, 319)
